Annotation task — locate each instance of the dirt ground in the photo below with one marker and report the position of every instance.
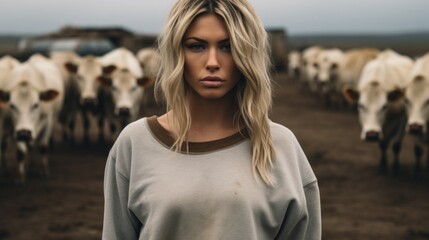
(357, 201)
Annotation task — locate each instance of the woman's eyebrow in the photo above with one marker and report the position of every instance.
(204, 41)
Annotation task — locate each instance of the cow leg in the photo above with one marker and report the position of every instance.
(86, 125)
(3, 163)
(396, 150)
(418, 153)
(383, 157)
(100, 129)
(21, 157)
(43, 150)
(427, 158)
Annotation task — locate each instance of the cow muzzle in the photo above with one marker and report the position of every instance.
(23, 135)
(372, 136)
(415, 129)
(124, 112)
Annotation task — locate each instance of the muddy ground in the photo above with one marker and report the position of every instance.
(357, 201)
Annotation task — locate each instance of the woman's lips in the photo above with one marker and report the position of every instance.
(212, 81)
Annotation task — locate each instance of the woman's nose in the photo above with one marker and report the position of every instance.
(213, 60)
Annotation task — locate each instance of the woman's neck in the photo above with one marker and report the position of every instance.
(211, 119)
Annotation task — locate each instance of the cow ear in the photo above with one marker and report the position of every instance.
(71, 67)
(105, 81)
(351, 95)
(48, 95)
(109, 69)
(144, 81)
(4, 98)
(395, 95)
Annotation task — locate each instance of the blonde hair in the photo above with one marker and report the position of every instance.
(250, 51)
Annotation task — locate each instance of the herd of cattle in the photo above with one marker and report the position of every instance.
(43, 91)
(390, 91)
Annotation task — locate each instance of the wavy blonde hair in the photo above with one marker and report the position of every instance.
(250, 51)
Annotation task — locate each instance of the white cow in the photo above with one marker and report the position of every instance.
(64, 60)
(381, 104)
(327, 65)
(294, 65)
(338, 69)
(7, 63)
(417, 101)
(309, 67)
(150, 62)
(34, 93)
(125, 79)
(87, 74)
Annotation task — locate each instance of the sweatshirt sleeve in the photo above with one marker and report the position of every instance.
(118, 222)
(314, 226)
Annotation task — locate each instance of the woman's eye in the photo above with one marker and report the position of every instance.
(225, 47)
(196, 47)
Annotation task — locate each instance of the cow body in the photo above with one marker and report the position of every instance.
(309, 69)
(381, 105)
(150, 62)
(34, 93)
(126, 83)
(63, 59)
(294, 65)
(87, 74)
(417, 98)
(7, 63)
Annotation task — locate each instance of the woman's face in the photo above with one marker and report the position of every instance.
(210, 71)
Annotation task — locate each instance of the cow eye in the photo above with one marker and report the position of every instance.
(384, 107)
(361, 106)
(407, 102)
(316, 65)
(35, 106)
(13, 107)
(133, 89)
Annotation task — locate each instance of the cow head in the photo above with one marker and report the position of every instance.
(26, 106)
(127, 92)
(417, 102)
(373, 104)
(87, 74)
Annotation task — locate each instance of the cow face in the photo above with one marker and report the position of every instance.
(373, 104)
(127, 93)
(417, 102)
(87, 75)
(26, 106)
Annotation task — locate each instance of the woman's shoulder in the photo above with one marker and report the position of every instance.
(134, 130)
(281, 132)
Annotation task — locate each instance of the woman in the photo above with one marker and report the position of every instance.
(214, 166)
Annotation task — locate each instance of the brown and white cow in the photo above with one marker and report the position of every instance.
(34, 93)
(417, 101)
(381, 105)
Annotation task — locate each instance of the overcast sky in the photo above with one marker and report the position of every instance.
(148, 16)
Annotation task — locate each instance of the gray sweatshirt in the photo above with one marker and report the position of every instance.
(210, 192)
